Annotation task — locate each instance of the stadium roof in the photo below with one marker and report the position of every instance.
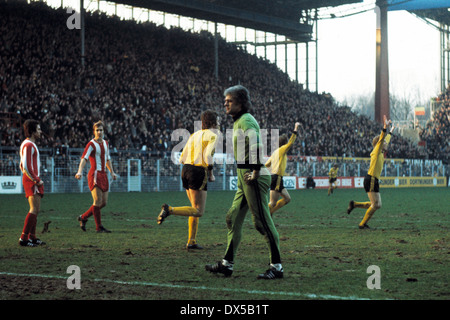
(436, 10)
(417, 4)
(283, 17)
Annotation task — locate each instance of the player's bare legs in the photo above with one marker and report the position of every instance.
(276, 204)
(197, 198)
(35, 204)
(198, 201)
(274, 196)
(97, 196)
(104, 201)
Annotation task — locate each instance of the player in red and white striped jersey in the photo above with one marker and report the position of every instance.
(32, 183)
(97, 152)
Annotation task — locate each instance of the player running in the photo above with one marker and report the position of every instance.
(197, 160)
(332, 178)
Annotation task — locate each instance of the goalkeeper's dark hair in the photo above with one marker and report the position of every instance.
(241, 94)
(209, 119)
(30, 127)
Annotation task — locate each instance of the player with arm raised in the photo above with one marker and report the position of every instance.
(277, 166)
(371, 181)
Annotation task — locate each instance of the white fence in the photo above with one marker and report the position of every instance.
(141, 172)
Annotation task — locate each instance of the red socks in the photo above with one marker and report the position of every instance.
(97, 218)
(88, 213)
(93, 210)
(29, 227)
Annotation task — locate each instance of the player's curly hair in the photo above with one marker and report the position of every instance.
(241, 94)
(209, 119)
(30, 127)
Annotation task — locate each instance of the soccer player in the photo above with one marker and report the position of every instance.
(371, 180)
(332, 174)
(252, 187)
(197, 160)
(32, 183)
(97, 152)
(277, 164)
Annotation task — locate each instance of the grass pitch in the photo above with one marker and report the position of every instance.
(325, 255)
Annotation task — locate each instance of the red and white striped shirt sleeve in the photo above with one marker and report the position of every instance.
(29, 163)
(87, 150)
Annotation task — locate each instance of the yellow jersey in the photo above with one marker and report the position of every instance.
(199, 149)
(377, 156)
(277, 162)
(333, 172)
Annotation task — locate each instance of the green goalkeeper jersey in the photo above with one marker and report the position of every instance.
(247, 142)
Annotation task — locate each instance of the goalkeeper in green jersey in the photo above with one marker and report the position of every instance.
(252, 188)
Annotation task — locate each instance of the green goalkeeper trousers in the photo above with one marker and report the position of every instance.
(256, 198)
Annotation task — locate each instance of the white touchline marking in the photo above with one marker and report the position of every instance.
(177, 286)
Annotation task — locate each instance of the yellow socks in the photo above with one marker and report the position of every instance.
(367, 216)
(183, 211)
(280, 203)
(193, 227)
(364, 205)
(190, 212)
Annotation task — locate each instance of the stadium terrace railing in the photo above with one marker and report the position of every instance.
(141, 172)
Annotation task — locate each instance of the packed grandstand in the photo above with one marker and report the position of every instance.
(144, 81)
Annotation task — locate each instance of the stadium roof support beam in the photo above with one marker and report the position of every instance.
(230, 15)
(445, 56)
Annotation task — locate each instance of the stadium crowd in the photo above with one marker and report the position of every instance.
(436, 133)
(144, 81)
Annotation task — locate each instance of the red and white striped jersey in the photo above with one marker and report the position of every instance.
(29, 160)
(97, 154)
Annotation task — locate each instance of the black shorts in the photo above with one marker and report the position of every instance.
(331, 180)
(277, 183)
(194, 177)
(371, 184)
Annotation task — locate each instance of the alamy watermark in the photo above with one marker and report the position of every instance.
(248, 143)
(74, 281)
(374, 281)
(74, 21)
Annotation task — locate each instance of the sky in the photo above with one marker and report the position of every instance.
(347, 56)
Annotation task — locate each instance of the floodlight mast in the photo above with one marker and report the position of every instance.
(382, 64)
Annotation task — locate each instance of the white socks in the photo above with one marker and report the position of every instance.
(227, 263)
(277, 266)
